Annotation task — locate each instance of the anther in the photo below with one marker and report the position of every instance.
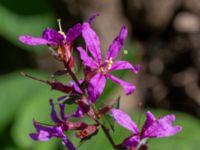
(125, 52)
(110, 62)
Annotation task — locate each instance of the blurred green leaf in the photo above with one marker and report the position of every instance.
(37, 107)
(13, 25)
(15, 90)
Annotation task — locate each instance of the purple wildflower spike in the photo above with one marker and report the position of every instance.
(152, 128)
(102, 70)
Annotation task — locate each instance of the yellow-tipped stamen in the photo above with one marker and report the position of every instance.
(60, 27)
(59, 24)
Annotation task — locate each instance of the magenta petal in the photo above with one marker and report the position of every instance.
(44, 133)
(41, 136)
(121, 65)
(53, 37)
(128, 87)
(67, 143)
(150, 119)
(73, 33)
(117, 44)
(54, 116)
(87, 60)
(162, 128)
(91, 19)
(26, 39)
(55, 85)
(78, 113)
(96, 86)
(75, 87)
(62, 112)
(124, 120)
(92, 41)
(132, 141)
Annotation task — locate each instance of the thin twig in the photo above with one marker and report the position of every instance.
(105, 130)
(34, 78)
(71, 73)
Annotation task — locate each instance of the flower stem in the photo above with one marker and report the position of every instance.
(71, 73)
(105, 130)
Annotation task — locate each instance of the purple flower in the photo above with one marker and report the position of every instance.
(53, 38)
(152, 128)
(102, 69)
(56, 38)
(46, 132)
(59, 42)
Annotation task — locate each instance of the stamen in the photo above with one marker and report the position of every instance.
(101, 69)
(110, 62)
(59, 24)
(60, 28)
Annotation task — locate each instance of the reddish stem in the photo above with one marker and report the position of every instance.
(71, 73)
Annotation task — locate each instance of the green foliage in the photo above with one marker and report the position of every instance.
(12, 25)
(15, 90)
(21, 100)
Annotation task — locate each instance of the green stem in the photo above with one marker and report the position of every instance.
(105, 130)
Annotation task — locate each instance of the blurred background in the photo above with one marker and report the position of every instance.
(164, 38)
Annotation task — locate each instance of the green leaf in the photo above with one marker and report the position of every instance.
(37, 107)
(13, 25)
(15, 90)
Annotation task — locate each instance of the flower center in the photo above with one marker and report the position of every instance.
(106, 66)
(109, 63)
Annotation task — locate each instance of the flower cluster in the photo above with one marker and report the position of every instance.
(86, 91)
